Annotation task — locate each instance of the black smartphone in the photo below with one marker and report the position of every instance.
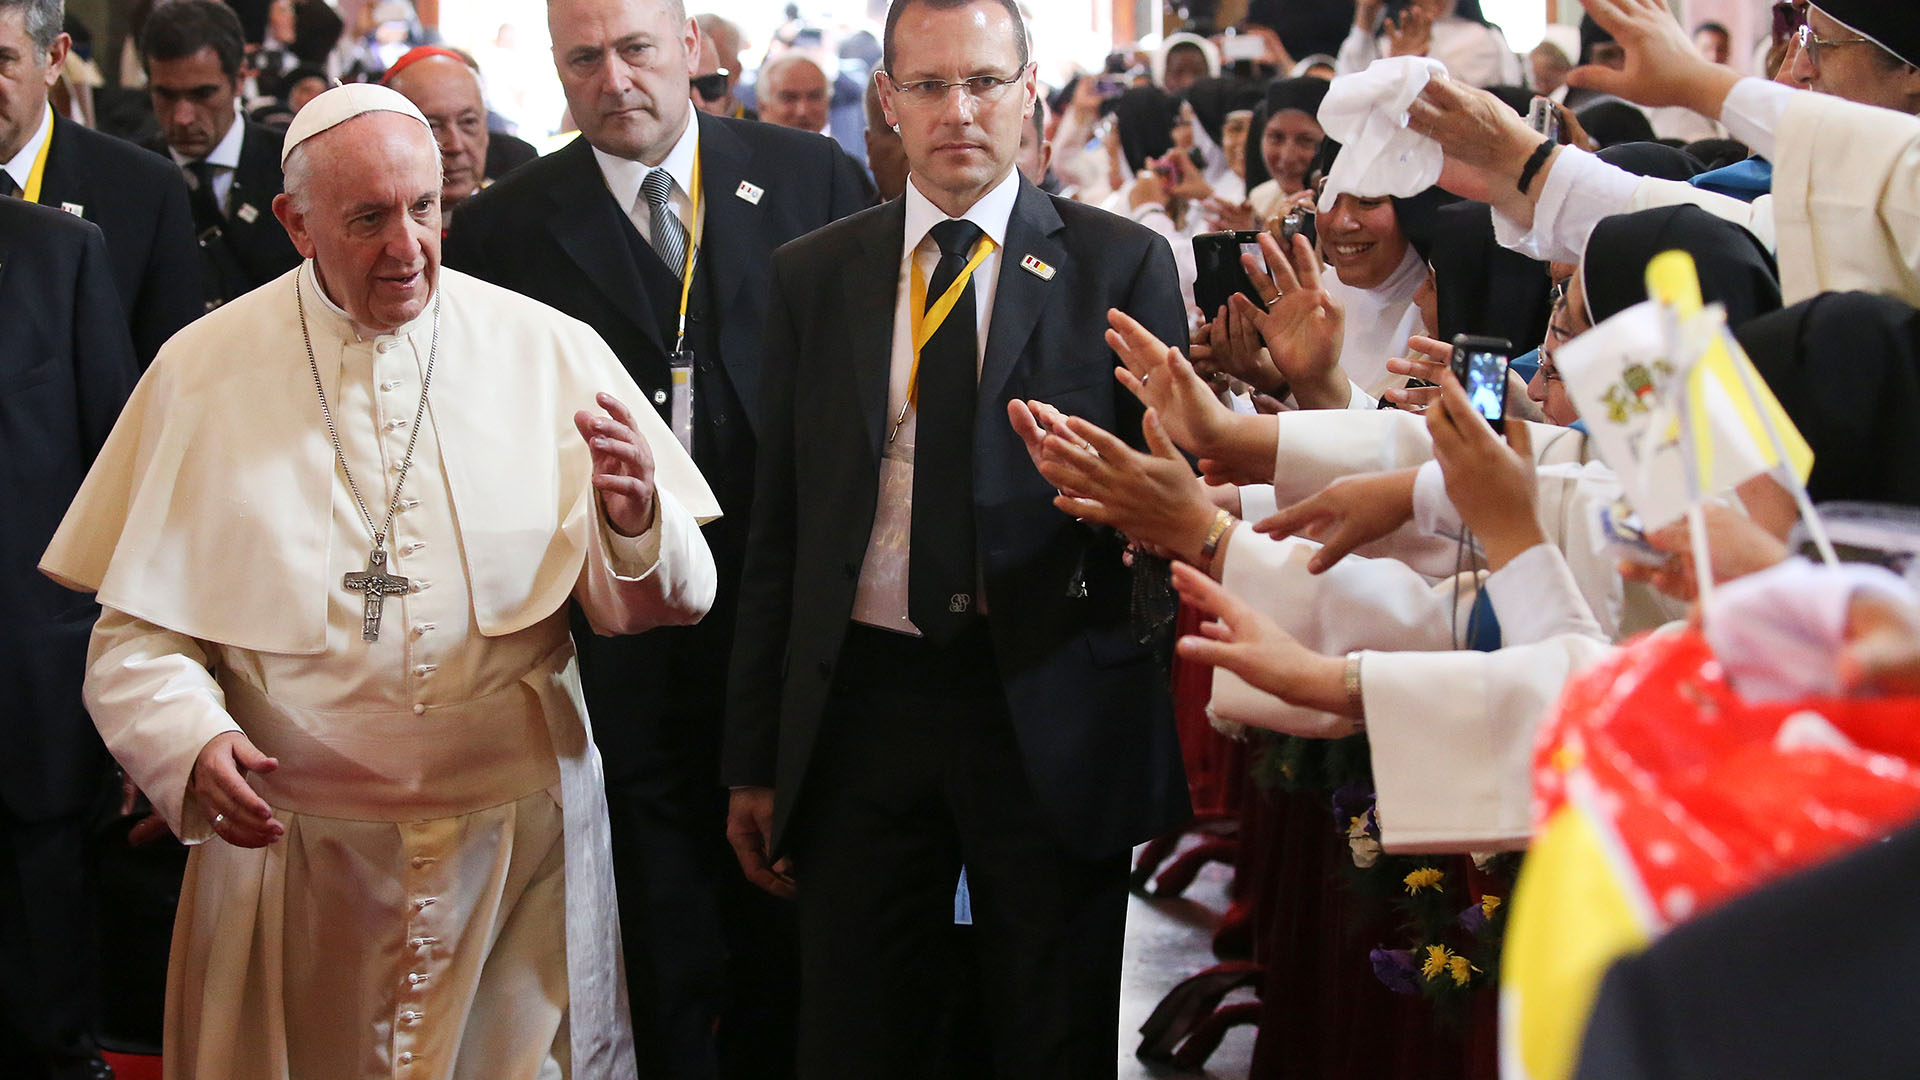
(1480, 363)
(1217, 270)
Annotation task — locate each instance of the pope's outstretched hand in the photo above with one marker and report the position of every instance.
(622, 465)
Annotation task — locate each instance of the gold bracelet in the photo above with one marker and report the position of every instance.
(1355, 701)
(1221, 522)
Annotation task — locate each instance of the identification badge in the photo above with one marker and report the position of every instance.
(682, 413)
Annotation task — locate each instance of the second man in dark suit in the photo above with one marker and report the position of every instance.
(934, 666)
(193, 50)
(135, 197)
(604, 229)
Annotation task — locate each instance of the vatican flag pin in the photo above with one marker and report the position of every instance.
(247, 213)
(1037, 268)
(74, 208)
(749, 191)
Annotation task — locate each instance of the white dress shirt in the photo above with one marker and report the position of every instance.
(624, 175)
(224, 157)
(22, 164)
(881, 598)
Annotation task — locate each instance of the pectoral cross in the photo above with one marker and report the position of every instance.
(378, 585)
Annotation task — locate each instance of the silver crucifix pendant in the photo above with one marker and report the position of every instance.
(378, 585)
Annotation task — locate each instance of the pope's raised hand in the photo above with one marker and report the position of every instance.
(622, 465)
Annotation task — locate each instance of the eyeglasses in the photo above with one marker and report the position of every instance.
(983, 89)
(711, 87)
(1811, 44)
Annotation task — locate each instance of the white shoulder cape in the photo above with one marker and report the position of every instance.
(208, 511)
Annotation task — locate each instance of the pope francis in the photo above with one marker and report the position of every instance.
(334, 535)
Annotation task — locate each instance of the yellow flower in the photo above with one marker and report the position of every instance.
(1461, 970)
(1489, 904)
(1439, 959)
(1428, 877)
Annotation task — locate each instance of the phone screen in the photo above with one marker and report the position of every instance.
(1486, 384)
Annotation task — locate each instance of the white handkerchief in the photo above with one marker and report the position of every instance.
(1367, 112)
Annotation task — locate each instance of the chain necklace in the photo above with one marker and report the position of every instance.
(374, 581)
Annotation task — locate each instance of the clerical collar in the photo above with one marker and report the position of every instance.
(623, 175)
(22, 164)
(991, 212)
(362, 333)
(225, 153)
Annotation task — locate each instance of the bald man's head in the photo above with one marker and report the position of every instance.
(448, 93)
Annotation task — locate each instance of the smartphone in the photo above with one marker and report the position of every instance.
(1218, 273)
(1236, 47)
(1544, 118)
(1110, 86)
(1622, 534)
(1480, 363)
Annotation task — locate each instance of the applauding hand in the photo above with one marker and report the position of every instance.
(1351, 511)
(1303, 324)
(1252, 646)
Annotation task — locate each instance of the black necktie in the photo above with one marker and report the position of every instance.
(7, 187)
(206, 208)
(940, 565)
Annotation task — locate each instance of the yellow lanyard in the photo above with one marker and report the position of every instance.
(31, 193)
(927, 323)
(693, 248)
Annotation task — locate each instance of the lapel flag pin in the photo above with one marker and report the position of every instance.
(1037, 268)
(749, 191)
(247, 213)
(74, 208)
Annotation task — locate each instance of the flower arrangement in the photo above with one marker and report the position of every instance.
(1450, 910)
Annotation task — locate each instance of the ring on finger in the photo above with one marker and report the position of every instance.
(219, 820)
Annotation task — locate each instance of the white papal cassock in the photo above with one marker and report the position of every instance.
(441, 904)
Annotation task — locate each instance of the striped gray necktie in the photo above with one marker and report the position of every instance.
(669, 237)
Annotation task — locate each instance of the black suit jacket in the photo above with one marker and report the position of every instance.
(1089, 701)
(1811, 976)
(139, 201)
(66, 368)
(252, 248)
(551, 230)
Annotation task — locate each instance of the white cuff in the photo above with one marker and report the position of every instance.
(1577, 191)
(1536, 598)
(1753, 112)
(631, 557)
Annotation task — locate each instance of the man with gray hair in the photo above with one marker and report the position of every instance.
(335, 537)
(137, 198)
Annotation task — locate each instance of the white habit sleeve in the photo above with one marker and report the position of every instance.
(663, 577)
(157, 707)
(1452, 737)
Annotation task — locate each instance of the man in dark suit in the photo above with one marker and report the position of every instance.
(1809, 976)
(934, 666)
(134, 196)
(600, 230)
(66, 368)
(193, 51)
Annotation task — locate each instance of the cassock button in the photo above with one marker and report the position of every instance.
(418, 708)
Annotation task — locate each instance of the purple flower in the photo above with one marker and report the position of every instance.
(1349, 802)
(1474, 919)
(1396, 970)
